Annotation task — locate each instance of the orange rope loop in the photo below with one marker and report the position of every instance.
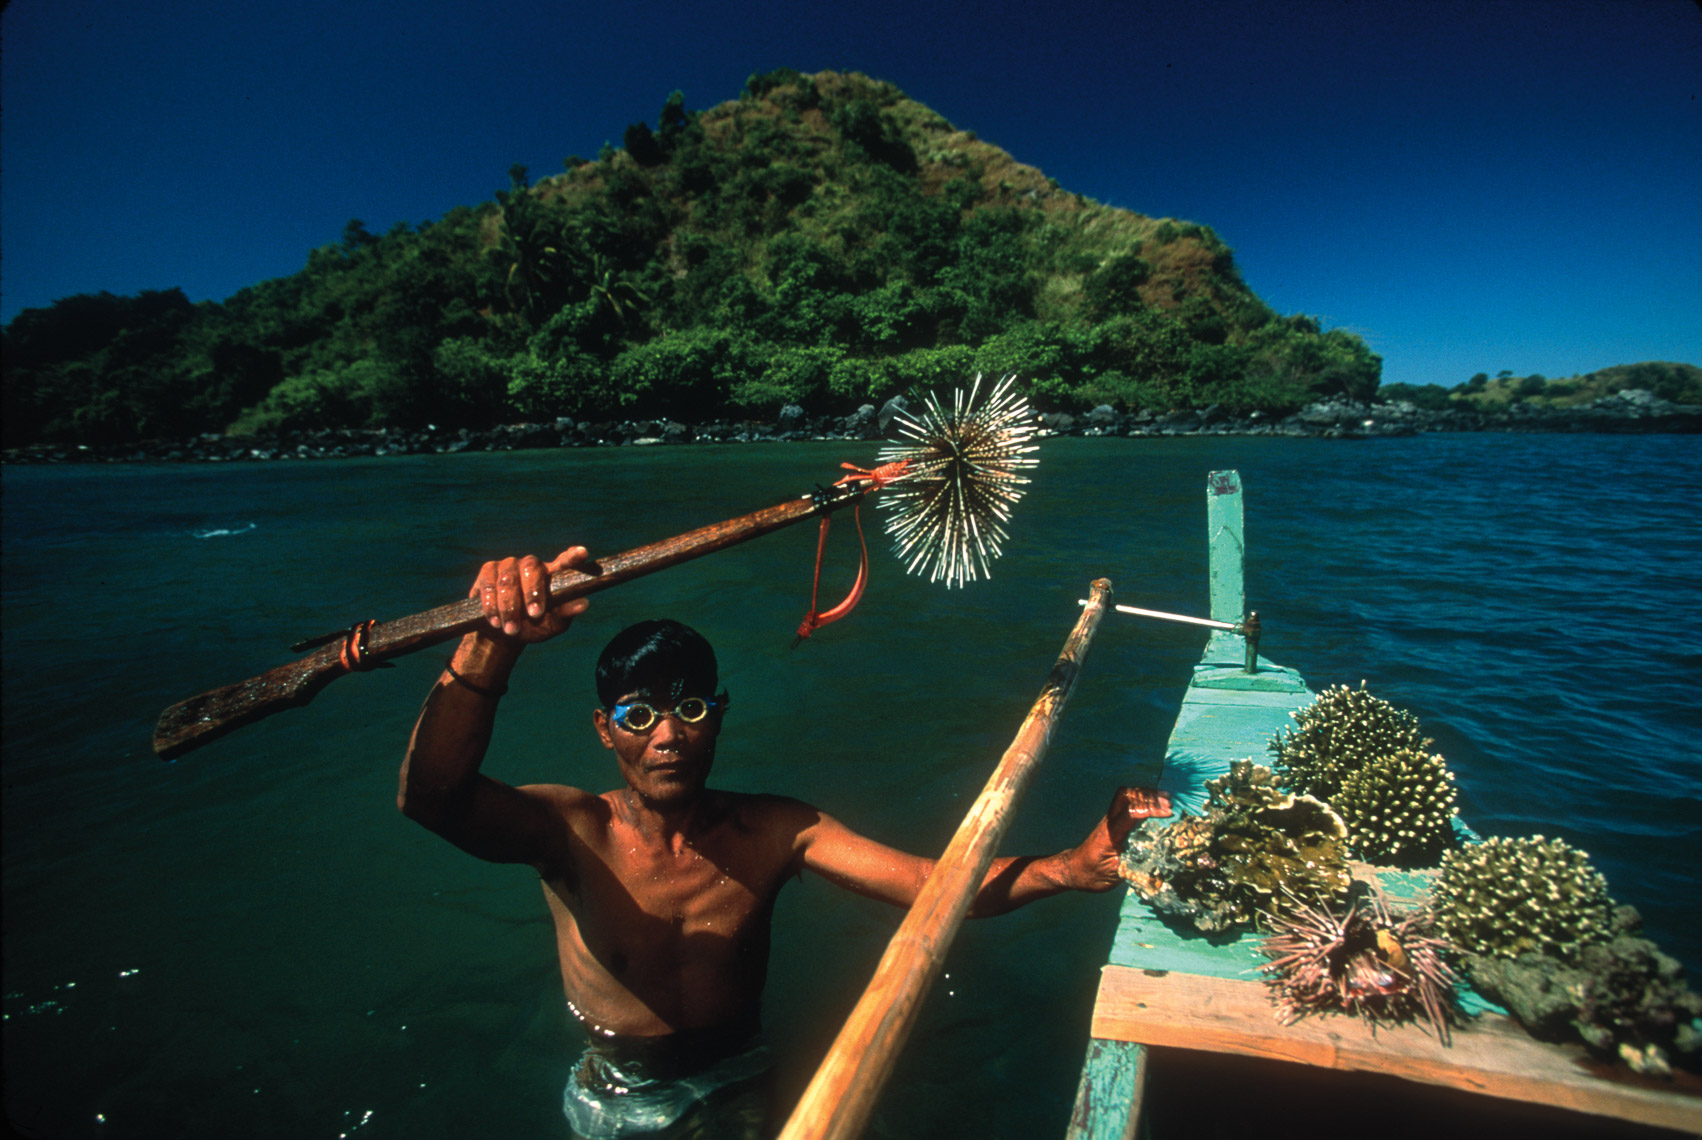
(354, 655)
(880, 476)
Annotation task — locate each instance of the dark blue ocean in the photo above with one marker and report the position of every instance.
(253, 942)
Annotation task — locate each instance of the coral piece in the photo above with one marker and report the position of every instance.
(1399, 808)
(1367, 962)
(1623, 997)
(1255, 848)
(1540, 991)
(1338, 734)
(1506, 897)
(1635, 998)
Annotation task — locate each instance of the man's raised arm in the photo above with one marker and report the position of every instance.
(441, 786)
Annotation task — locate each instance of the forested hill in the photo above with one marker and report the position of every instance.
(821, 241)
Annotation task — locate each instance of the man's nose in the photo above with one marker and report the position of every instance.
(668, 727)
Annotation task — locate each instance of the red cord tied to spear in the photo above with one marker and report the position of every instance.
(956, 476)
(816, 618)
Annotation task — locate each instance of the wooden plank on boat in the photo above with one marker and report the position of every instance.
(1492, 1055)
(1108, 1099)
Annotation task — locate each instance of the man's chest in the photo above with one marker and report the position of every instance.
(698, 890)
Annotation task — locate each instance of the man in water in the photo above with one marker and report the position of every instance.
(662, 890)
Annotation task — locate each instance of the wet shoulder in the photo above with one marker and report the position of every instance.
(576, 806)
(568, 821)
(774, 824)
(760, 812)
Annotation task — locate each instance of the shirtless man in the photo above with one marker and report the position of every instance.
(662, 890)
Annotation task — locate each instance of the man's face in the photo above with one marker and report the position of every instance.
(668, 762)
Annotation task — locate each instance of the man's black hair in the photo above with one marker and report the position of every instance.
(661, 657)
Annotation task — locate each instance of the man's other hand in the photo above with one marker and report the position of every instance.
(1093, 865)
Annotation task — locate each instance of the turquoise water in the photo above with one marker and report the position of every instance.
(252, 942)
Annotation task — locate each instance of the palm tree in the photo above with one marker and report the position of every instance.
(612, 287)
(533, 246)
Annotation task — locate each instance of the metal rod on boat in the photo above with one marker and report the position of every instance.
(842, 1094)
(1162, 616)
(1248, 627)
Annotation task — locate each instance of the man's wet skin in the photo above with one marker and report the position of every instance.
(662, 890)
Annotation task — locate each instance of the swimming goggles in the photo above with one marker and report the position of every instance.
(637, 716)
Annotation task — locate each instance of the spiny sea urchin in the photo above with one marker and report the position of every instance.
(1336, 735)
(1367, 962)
(1399, 808)
(950, 509)
(1507, 897)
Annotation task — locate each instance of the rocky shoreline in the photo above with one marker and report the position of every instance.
(1633, 411)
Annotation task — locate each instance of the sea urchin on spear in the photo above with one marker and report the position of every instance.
(961, 480)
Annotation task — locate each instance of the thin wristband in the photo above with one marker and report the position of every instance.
(493, 694)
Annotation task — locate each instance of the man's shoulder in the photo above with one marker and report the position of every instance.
(763, 811)
(564, 798)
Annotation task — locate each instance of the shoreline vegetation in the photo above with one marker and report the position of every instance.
(771, 267)
(1628, 412)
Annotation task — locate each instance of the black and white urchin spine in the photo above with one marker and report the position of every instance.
(950, 509)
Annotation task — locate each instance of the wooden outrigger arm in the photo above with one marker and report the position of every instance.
(843, 1092)
(200, 720)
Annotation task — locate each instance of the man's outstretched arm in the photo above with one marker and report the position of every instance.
(1089, 866)
(860, 864)
(441, 786)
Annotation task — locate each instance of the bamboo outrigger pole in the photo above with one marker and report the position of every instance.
(842, 1094)
(200, 720)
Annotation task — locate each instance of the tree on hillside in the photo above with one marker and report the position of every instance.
(612, 287)
(97, 368)
(537, 253)
(357, 236)
(1114, 287)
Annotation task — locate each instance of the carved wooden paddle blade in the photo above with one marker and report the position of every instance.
(201, 719)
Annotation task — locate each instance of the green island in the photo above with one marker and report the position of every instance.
(812, 248)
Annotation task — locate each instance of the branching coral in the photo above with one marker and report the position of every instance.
(1399, 808)
(1338, 734)
(1255, 847)
(1506, 897)
(1367, 962)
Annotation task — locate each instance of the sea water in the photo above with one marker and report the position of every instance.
(252, 941)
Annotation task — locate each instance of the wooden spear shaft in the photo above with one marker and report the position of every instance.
(200, 720)
(843, 1092)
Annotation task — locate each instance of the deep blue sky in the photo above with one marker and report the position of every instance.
(1471, 186)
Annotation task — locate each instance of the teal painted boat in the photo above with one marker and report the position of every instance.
(1192, 1007)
